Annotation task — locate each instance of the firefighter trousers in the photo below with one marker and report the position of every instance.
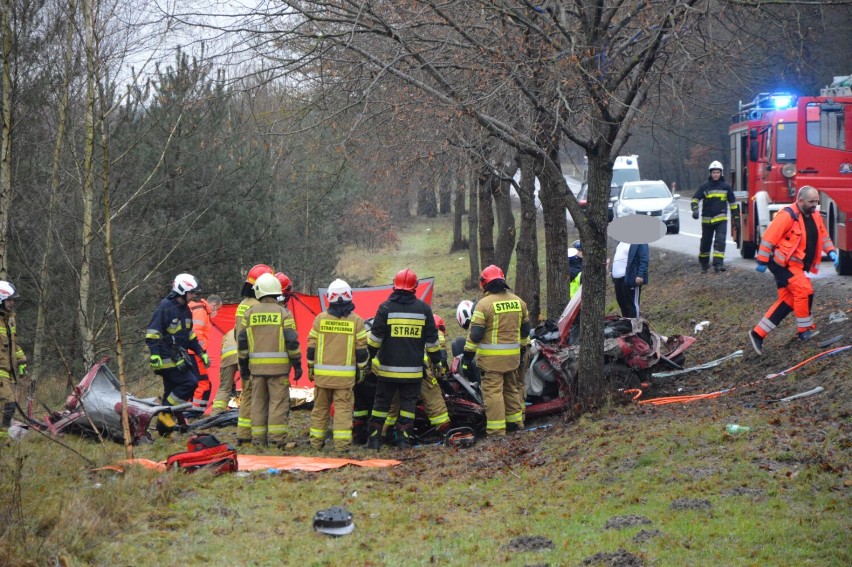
(270, 408)
(795, 294)
(226, 386)
(385, 391)
(178, 385)
(712, 234)
(502, 401)
(341, 425)
(244, 421)
(433, 403)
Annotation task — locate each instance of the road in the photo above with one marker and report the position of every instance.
(690, 234)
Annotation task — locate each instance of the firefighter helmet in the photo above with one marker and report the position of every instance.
(256, 271)
(490, 274)
(267, 284)
(464, 312)
(185, 283)
(7, 291)
(715, 165)
(338, 292)
(405, 280)
(286, 284)
(440, 323)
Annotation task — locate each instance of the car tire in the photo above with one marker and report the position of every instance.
(674, 229)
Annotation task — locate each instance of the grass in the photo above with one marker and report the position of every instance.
(777, 495)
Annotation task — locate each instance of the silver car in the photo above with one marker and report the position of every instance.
(652, 198)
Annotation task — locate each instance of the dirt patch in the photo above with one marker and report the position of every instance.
(646, 535)
(622, 522)
(620, 558)
(691, 504)
(745, 491)
(699, 473)
(528, 543)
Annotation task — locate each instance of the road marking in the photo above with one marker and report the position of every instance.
(731, 242)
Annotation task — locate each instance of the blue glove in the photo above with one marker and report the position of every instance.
(835, 258)
(761, 267)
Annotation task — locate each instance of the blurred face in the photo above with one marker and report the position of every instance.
(214, 308)
(715, 173)
(808, 202)
(8, 305)
(191, 296)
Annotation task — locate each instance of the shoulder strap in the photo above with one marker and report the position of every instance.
(792, 213)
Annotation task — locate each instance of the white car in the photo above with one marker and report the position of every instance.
(652, 198)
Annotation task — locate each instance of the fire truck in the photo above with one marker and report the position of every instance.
(779, 143)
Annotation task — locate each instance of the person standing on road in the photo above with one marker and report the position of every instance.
(792, 245)
(337, 357)
(717, 194)
(403, 330)
(498, 337)
(629, 275)
(13, 362)
(169, 338)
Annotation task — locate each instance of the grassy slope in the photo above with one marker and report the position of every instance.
(778, 495)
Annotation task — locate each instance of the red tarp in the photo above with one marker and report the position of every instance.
(305, 308)
(265, 462)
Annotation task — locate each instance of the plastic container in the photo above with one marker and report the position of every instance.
(735, 428)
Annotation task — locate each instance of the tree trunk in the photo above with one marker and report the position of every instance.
(505, 224)
(527, 272)
(6, 136)
(552, 195)
(53, 203)
(445, 195)
(472, 185)
(87, 193)
(427, 204)
(484, 186)
(459, 243)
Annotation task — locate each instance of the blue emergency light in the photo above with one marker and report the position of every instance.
(781, 101)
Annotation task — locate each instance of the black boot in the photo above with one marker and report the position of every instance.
(8, 413)
(359, 432)
(403, 435)
(374, 440)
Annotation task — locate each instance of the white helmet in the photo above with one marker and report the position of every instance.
(338, 292)
(184, 283)
(7, 291)
(464, 312)
(267, 284)
(715, 165)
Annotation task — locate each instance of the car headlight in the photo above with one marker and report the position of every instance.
(672, 208)
(623, 210)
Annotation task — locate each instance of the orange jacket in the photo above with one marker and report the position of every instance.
(785, 240)
(200, 320)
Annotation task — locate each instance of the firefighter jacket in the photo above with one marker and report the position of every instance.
(268, 339)
(229, 350)
(716, 196)
(170, 333)
(575, 284)
(11, 354)
(337, 349)
(244, 306)
(200, 320)
(402, 329)
(785, 240)
(499, 328)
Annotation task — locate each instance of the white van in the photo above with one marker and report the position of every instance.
(625, 168)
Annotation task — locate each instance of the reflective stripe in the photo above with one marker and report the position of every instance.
(173, 400)
(517, 417)
(230, 351)
(258, 430)
(318, 433)
(277, 429)
(407, 317)
(335, 368)
(496, 424)
(269, 357)
(220, 404)
(406, 414)
(804, 321)
(499, 350)
(380, 414)
(243, 422)
(342, 434)
(439, 419)
(360, 413)
(766, 325)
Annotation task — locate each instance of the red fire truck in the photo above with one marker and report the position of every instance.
(780, 143)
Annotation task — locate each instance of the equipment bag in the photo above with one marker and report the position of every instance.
(205, 452)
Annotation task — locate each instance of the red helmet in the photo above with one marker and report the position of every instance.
(286, 284)
(490, 274)
(257, 271)
(405, 280)
(440, 323)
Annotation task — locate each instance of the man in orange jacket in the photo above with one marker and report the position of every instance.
(793, 244)
(202, 311)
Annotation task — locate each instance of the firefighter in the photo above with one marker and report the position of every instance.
(498, 337)
(364, 394)
(228, 366)
(202, 311)
(337, 356)
(402, 330)
(286, 288)
(792, 245)
(268, 348)
(717, 195)
(169, 338)
(248, 294)
(13, 362)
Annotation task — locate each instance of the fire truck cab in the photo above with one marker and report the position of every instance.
(780, 143)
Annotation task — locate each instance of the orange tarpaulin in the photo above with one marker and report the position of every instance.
(263, 462)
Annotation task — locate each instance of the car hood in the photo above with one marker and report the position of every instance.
(647, 204)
